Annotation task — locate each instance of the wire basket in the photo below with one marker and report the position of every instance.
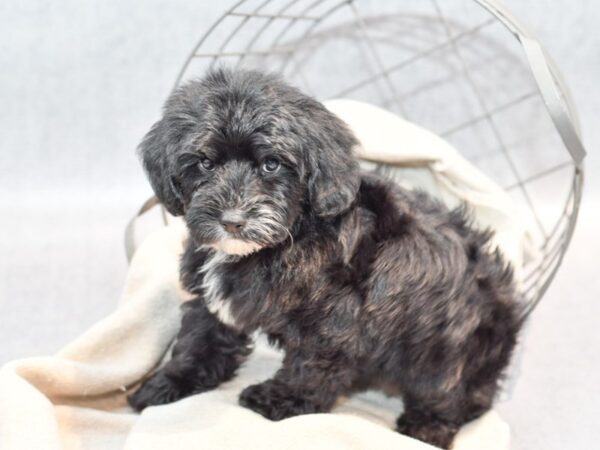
(464, 69)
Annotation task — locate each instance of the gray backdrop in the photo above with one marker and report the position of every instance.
(81, 82)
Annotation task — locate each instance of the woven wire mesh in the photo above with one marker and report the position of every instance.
(452, 67)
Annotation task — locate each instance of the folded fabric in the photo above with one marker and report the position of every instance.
(76, 399)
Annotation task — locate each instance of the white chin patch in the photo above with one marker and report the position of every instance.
(236, 246)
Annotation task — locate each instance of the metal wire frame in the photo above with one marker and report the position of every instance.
(486, 116)
(289, 53)
(412, 60)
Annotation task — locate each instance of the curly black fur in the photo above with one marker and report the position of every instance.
(362, 283)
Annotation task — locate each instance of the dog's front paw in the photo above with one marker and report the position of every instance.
(434, 433)
(276, 401)
(157, 390)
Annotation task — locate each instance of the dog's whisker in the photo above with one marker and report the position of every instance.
(291, 237)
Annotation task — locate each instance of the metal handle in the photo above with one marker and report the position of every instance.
(549, 80)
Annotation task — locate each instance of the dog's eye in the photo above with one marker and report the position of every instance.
(270, 165)
(207, 164)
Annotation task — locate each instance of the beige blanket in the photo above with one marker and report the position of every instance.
(76, 399)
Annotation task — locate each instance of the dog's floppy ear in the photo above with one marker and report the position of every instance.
(154, 152)
(334, 173)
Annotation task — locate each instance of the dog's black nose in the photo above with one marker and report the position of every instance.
(233, 221)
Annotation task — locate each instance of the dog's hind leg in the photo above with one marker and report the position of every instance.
(431, 420)
(436, 418)
(205, 354)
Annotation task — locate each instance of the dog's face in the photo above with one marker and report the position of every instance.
(241, 155)
(243, 194)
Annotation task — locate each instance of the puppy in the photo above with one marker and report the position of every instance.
(362, 283)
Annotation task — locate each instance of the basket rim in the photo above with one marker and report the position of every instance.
(558, 103)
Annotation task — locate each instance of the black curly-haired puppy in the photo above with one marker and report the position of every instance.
(362, 283)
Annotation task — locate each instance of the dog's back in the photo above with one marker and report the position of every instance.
(440, 307)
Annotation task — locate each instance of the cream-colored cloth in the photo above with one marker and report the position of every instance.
(76, 399)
